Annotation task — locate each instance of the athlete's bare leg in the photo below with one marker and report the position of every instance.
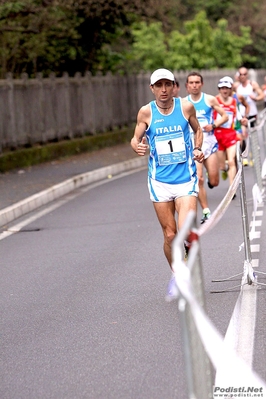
(165, 212)
(222, 159)
(212, 166)
(202, 191)
(183, 205)
(166, 215)
(231, 158)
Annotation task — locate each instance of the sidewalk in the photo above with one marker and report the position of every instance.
(20, 185)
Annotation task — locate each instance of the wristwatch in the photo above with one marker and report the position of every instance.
(197, 148)
(214, 126)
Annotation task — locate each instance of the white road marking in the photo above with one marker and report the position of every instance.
(255, 248)
(256, 234)
(256, 223)
(257, 213)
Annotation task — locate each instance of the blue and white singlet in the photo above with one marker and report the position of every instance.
(204, 114)
(203, 111)
(171, 159)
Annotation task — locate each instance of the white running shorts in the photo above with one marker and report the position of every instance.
(164, 192)
(209, 145)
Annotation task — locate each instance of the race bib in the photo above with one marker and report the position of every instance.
(170, 148)
(202, 121)
(229, 123)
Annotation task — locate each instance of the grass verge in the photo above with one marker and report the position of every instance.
(25, 157)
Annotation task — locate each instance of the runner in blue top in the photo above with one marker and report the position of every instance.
(163, 127)
(205, 104)
(171, 160)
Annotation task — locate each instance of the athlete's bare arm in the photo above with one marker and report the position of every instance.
(245, 103)
(138, 141)
(242, 100)
(213, 102)
(259, 93)
(190, 114)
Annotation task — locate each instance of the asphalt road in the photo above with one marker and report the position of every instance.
(82, 296)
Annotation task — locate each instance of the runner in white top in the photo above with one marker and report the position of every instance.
(251, 91)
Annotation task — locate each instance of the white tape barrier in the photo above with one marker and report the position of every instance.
(232, 371)
(235, 372)
(240, 335)
(221, 209)
(263, 170)
(216, 216)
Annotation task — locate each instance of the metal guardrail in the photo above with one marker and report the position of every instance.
(198, 363)
(257, 140)
(199, 370)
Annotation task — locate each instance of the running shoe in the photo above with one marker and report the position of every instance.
(205, 217)
(208, 182)
(172, 290)
(224, 172)
(187, 248)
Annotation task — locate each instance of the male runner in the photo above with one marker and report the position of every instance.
(204, 105)
(226, 134)
(163, 126)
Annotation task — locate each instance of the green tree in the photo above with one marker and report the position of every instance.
(35, 36)
(149, 48)
(252, 14)
(96, 35)
(70, 35)
(194, 48)
(241, 13)
(227, 47)
(199, 47)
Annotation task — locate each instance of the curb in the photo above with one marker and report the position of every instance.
(35, 201)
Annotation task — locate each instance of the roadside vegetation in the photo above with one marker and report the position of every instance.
(124, 36)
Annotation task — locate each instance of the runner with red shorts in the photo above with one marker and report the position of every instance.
(226, 134)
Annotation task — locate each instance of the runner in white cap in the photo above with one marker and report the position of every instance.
(226, 134)
(163, 127)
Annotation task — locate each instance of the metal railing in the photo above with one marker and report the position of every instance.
(204, 349)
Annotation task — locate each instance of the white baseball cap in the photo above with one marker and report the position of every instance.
(226, 81)
(161, 74)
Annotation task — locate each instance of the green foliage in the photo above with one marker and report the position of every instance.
(228, 47)
(60, 35)
(121, 36)
(194, 48)
(35, 36)
(199, 47)
(216, 9)
(149, 48)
